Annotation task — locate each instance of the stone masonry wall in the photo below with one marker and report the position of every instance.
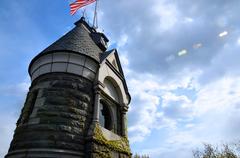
(55, 118)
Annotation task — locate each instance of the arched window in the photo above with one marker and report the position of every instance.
(110, 116)
(111, 89)
(105, 117)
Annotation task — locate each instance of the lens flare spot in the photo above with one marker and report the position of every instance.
(182, 52)
(222, 34)
(197, 45)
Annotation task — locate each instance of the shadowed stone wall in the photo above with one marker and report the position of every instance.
(55, 118)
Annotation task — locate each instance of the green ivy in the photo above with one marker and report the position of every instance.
(121, 145)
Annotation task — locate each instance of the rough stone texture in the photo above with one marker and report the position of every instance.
(56, 115)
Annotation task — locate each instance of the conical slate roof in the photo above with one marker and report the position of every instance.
(78, 40)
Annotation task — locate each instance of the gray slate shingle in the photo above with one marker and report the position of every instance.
(77, 40)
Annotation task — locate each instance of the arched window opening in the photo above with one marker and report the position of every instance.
(105, 118)
(111, 90)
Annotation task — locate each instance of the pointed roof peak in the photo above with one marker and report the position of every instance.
(82, 21)
(82, 39)
(78, 40)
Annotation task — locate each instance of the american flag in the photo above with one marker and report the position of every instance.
(79, 4)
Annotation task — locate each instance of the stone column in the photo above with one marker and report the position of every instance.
(96, 104)
(124, 119)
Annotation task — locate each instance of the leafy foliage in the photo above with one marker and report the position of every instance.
(224, 151)
(121, 146)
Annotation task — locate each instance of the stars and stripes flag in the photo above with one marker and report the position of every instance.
(79, 4)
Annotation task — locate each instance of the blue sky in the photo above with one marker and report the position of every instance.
(180, 58)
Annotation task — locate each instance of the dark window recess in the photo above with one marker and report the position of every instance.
(28, 107)
(105, 118)
(119, 122)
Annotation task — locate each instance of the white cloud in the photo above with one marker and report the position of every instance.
(170, 97)
(170, 58)
(238, 41)
(218, 96)
(217, 109)
(208, 118)
(146, 107)
(12, 98)
(149, 95)
(167, 14)
(7, 126)
(138, 29)
(19, 89)
(123, 40)
(124, 61)
(222, 21)
(145, 104)
(188, 20)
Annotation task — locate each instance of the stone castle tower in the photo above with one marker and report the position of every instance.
(77, 103)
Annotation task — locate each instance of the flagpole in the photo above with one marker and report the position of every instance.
(84, 12)
(95, 22)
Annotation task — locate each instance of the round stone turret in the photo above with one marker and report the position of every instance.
(78, 95)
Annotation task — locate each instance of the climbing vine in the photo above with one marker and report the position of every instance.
(121, 145)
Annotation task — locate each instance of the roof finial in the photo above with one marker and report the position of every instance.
(84, 13)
